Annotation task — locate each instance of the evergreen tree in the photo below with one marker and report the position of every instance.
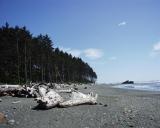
(26, 58)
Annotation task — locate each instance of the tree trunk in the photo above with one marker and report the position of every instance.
(25, 61)
(30, 68)
(18, 62)
(50, 98)
(78, 98)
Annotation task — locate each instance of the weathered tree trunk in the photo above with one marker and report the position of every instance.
(64, 90)
(30, 68)
(9, 90)
(18, 61)
(25, 62)
(79, 98)
(42, 72)
(50, 98)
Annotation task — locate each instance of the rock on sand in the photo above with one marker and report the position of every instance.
(2, 118)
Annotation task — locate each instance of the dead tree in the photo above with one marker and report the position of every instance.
(49, 98)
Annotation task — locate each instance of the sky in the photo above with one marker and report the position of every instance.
(119, 39)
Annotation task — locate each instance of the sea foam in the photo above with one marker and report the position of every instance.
(150, 86)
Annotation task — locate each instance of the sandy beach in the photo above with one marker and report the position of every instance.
(116, 108)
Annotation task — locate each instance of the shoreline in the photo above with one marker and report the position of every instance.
(116, 108)
(108, 86)
(140, 86)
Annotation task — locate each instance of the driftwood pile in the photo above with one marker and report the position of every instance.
(17, 91)
(49, 95)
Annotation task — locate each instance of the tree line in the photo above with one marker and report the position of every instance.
(25, 58)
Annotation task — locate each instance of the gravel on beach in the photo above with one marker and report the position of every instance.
(116, 108)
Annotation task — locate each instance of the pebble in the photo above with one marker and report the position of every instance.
(151, 117)
(11, 122)
(0, 100)
(131, 126)
(100, 104)
(105, 105)
(14, 107)
(85, 87)
(6, 115)
(126, 110)
(129, 111)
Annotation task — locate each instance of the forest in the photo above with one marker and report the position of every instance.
(27, 58)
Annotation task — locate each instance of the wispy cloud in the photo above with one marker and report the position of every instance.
(64, 49)
(155, 50)
(156, 47)
(73, 52)
(90, 53)
(113, 58)
(122, 23)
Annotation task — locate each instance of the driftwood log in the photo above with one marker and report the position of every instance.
(50, 98)
(78, 98)
(18, 91)
(9, 89)
(47, 97)
(64, 91)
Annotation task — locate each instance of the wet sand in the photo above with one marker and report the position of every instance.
(116, 108)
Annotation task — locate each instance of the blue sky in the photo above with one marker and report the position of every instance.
(120, 39)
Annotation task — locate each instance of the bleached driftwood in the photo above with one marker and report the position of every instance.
(18, 90)
(64, 90)
(32, 91)
(10, 86)
(9, 89)
(78, 98)
(48, 98)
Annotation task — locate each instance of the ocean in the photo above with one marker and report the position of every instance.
(147, 86)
